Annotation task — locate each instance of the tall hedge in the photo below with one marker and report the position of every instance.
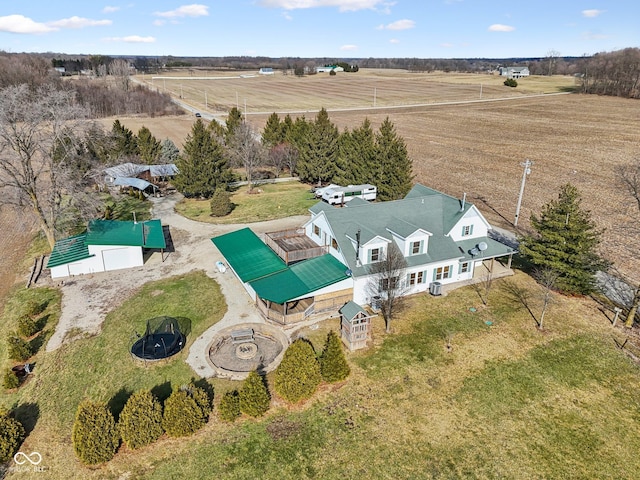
(333, 363)
(95, 437)
(254, 395)
(11, 436)
(182, 414)
(140, 422)
(229, 408)
(298, 376)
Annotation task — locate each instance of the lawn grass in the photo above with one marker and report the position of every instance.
(268, 201)
(508, 401)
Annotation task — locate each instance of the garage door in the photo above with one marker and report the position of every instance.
(116, 258)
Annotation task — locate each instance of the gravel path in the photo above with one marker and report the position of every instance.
(86, 299)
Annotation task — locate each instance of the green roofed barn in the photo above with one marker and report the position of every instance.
(106, 245)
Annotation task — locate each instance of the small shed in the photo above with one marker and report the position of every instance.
(355, 326)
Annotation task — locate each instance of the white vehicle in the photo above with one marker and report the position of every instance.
(320, 190)
(339, 195)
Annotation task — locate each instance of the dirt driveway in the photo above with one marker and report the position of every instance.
(86, 299)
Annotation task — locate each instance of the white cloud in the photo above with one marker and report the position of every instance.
(398, 25)
(110, 9)
(131, 39)
(193, 10)
(592, 13)
(447, 45)
(78, 22)
(498, 27)
(22, 24)
(594, 36)
(348, 48)
(158, 22)
(394, 41)
(343, 5)
(287, 16)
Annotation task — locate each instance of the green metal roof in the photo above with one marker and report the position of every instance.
(147, 234)
(249, 257)
(69, 250)
(300, 279)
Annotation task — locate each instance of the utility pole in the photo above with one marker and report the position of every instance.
(527, 170)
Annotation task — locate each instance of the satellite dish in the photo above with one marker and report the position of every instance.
(348, 272)
(474, 251)
(482, 246)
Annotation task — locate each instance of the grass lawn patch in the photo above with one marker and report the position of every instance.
(274, 200)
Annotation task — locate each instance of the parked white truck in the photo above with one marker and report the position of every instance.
(338, 195)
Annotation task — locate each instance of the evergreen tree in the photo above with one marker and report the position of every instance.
(392, 171)
(356, 159)
(140, 421)
(221, 203)
(202, 165)
(298, 375)
(319, 150)
(149, 147)
(333, 363)
(11, 436)
(95, 436)
(169, 152)
(254, 395)
(125, 141)
(286, 126)
(566, 242)
(218, 130)
(183, 415)
(229, 408)
(234, 120)
(272, 134)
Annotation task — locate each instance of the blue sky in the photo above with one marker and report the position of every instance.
(321, 28)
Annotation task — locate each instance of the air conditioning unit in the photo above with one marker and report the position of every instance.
(375, 303)
(435, 288)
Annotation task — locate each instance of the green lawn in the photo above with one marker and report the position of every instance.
(267, 202)
(508, 401)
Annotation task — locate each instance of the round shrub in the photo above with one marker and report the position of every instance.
(182, 415)
(11, 436)
(254, 396)
(27, 326)
(140, 421)
(10, 380)
(229, 408)
(33, 308)
(221, 203)
(511, 82)
(95, 436)
(19, 349)
(298, 376)
(333, 363)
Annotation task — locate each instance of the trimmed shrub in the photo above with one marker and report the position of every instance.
(10, 380)
(34, 308)
(19, 349)
(298, 376)
(511, 82)
(254, 396)
(95, 436)
(221, 203)
(229, 408)
(27, 326)
(333, 363)
(11, 436)
(140, 421)
(202, 399)
(182, 415)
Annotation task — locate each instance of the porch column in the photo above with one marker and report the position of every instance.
(509, 262)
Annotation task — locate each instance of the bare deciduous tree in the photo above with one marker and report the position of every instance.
(246, 151)
(387, 281)
(283, 156)
(547, 279)
(121, 71)
(37, 151)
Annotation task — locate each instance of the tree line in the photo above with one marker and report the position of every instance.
(612, 73)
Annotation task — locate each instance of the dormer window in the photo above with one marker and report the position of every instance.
(375, 254)
(467, 230)
(416, 248)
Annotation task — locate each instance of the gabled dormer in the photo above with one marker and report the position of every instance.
(369, 247)
(410, 239)
(471, 225)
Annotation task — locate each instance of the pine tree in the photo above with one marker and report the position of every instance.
(182, 415)
(140, 421)
(221, 203)
(272, 134)
(356, 156)
(95, 436)
(125, 141)
(234, 120)
(298, 375)
(169, 152)
(202, 165)
(229, 408)
(565, 242)
(254, 395)
(149, 147)
(319, 150)
(11, 436)
(392, 170)
(333, 363)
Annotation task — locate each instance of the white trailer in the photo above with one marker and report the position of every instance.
(339, 195)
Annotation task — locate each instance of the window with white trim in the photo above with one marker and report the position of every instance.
(334, 244)
(375, 254)
(467, 230)
(442, 273)
(388, 284)
(316, 230)
(465, 267)
(416, 248)
(415, 278)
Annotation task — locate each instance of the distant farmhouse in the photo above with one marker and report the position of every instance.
(106, 245)
(514, 72)
(266, 71)
(329, 69)
(326, 263)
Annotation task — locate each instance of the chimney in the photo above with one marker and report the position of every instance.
(358, 248)
(464, 201)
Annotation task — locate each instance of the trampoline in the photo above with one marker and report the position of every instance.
(162, 339)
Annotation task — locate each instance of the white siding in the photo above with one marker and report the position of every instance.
(478, 226)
